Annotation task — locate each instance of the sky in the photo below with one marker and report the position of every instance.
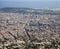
(30, 3)
(29, 0)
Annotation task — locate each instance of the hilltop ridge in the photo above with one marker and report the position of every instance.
(41, 11)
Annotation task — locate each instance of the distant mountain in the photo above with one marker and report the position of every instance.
(31, 11)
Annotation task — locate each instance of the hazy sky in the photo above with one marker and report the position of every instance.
(30, 3)
(29, 0)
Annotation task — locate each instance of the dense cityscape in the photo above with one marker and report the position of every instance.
(28, 28)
